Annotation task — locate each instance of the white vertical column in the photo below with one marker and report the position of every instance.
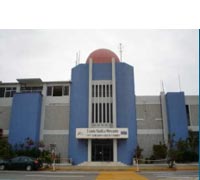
(106, 104)
(98, 121)
(90, 95)
(164, 117)
(114, 93)
(90, 108)
(114, 108)
(43, 111)
(18, 88)
(94, 101)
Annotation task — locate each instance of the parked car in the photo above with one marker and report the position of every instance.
(21, 163)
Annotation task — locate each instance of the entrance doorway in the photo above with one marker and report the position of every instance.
(102, 150)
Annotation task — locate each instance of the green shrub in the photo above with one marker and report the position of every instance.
(159, 151)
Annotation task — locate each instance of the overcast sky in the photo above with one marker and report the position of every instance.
(155, 54)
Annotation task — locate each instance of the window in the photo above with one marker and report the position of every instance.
(100, 113)
(108, 113)
(92, 112)
(100, 91)
(2, 91)
(66, 90)
(7, 91)
(107, 90)
(104, 91)
(31, 89)
(96, 91)
(104, 113)
(111, 109)
(96, 113)
(92, 90)
(110, 90)
(188, 114)
(58, 91)
(49, 90)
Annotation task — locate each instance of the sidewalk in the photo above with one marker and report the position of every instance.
(142, 167)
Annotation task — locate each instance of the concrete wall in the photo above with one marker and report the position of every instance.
(194, 114)
(56, 117)
(149, 116)
(149, 123)
(5, 111)
(146, 142)
(5, 117)
(61, 142)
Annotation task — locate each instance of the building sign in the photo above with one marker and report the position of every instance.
(101, 133)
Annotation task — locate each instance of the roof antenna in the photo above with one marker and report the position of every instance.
(77, 58)
(120, 51)
(179, 82)
(76, 62)
(162, 86)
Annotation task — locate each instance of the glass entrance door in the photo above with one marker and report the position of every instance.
(102, 150)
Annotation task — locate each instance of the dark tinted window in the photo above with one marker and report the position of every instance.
(49, 91)
(66, 90)
(2, 90)
(57, 91)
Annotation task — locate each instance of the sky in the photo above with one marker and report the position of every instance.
(168, 56)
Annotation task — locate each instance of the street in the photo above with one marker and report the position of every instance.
(108, 175)
(41, 175)
(168, 175)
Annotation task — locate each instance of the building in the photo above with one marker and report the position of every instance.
(96, 116)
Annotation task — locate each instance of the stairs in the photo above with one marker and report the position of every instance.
(103, 164)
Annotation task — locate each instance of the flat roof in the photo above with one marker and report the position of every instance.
(30, 81)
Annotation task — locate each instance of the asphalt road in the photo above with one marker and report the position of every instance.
(174, 175)
(77, 175)
(41, 175)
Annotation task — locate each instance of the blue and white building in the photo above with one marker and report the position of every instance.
(96, 116)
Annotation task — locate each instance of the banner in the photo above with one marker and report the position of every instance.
(101, 133)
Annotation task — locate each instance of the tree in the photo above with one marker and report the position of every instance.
(138, 152)
(6, 150)
(159, 151)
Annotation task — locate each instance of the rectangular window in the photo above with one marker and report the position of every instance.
(111, 109)
(2, 91)
(92, 90)
(108, 113)
(96, 112)
(49, 91)
(100, 91)
(188, 114)
(108, 91)
(104, 91)
(66, 90)
(92, 112)
(8, 94)
(100, 121)
(57, 91)
(7, 91)
(104, 113)
(96, 90)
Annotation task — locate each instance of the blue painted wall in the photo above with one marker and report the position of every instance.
(176, 113)
(126, 114)
(25, 117)
(102, 71)
(78, 112)
(126, 111)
